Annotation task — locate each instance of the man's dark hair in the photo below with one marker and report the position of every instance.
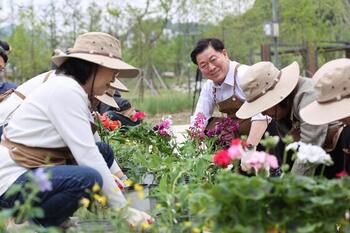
(81, 70)
(202, 44)
(3, 54)
(4, 45)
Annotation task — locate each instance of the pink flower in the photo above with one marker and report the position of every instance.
(341, 174)
(235, 149)
(222, 159)
(259, 160)
(272, 161)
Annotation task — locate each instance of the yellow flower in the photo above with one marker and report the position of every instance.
(158, 206)
(177, 204)
(196, 230)
(187, 223)
(128, 182)
(96, 188)
(85, 202)
(101, 199)
(141, 195)
(145, 226)
(138, 187)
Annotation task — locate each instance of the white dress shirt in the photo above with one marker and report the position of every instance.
(206, 103)
(56, 114)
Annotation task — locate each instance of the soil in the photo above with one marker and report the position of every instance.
(179, 118)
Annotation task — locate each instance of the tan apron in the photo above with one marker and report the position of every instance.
(332, 137)
(229, 107)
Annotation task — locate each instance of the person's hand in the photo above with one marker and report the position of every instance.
(136, 217)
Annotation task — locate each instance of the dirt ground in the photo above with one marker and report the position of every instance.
(179, 118)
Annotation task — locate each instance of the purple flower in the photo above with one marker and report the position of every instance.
(41, 178)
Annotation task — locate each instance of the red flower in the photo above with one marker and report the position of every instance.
(114, 125)
(222, 158)
(106, 123)
(138, 115)
(341, 174)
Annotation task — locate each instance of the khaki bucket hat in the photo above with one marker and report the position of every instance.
(265, 86)
(118, 85)
(332, 85)
(99, 48)
(107, 98)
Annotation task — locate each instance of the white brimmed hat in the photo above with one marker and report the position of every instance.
(99, 48)
(107, 98)
(332, 84)
(118, 85)
(265, 86)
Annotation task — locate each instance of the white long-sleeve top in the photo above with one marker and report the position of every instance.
(206, 102)
(56, 114)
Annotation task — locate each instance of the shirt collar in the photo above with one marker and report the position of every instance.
(229, 77)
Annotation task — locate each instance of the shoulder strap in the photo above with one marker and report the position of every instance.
(47, 75)
(6, 94)
(234, 78)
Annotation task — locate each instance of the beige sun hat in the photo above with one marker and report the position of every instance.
(99, 48)
(118, 85)
(265, 86)
(332, 85)
(107, 98)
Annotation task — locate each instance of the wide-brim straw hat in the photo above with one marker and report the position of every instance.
(99, 48)
(118, 85)
(107, 98)
(332, 85)
(265, 86)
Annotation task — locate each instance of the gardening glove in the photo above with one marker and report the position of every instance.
(136, 217)
(121, 182)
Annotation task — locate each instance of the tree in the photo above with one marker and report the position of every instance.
(31, 52)
(94, 17)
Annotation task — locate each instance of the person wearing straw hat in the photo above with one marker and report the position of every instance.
(222, 88)
(281, 94)
(332, 85)
(52, 129)
(125, 113)
(13, 98)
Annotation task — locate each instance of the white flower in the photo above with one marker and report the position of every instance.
(307, 153)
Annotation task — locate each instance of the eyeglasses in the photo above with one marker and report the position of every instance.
(205, 65)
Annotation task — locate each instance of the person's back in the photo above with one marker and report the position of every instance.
(11, 102)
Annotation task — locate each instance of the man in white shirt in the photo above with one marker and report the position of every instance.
(222, 87)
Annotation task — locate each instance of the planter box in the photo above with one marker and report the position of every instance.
(95, 226)
(146, 204)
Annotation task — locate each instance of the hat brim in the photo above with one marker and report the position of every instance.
(106, 99)
(288, 81)
(118, 85)
(319, 114)
(125, 70)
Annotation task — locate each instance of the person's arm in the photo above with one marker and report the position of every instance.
(205, 103)
(72, 124)
(256, 132)
(258, 128)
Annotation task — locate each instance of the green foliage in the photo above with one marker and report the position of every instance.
(288, 204)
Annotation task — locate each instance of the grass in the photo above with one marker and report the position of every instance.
(166, 102)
